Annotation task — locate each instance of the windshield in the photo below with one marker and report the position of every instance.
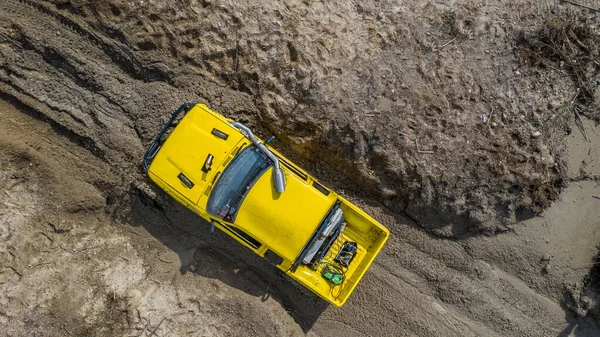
(235, 182)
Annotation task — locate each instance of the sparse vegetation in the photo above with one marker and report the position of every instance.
(87, 332)
(568, 43)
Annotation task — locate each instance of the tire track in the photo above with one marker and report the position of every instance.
(419, 285)
(117, 52)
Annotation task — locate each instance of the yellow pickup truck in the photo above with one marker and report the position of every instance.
(217, 168)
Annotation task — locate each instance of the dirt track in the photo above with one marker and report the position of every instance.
(87, 243)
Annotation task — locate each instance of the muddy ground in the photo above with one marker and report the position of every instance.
(382, 101)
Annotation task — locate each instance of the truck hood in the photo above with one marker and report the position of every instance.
(187, 148)
(284, 221)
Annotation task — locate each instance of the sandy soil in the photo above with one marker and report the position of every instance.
(89, 247)
(68, 267)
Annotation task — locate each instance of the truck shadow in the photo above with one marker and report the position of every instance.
(218, 256)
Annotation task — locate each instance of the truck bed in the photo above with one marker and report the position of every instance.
(369, 236)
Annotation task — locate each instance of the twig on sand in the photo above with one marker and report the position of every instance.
(416, 143)
(237, 52)
(64, 326)
(18, 45)
(578, 120)
(47, 237)
(587, 265)
(579, 124)
(142, 321)
(489, 122)
(596, 197)
(163, 260)
(581, 5)
(575, 97)
(158, 326)
(422, 151)
(75, 251)
(446, 44)
(141, 332)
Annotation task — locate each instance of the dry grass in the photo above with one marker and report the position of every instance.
(571, 44)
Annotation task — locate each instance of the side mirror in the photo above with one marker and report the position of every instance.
(270, 139)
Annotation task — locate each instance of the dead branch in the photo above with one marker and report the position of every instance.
(416, 143)
(419, 150)
(237, 52)
(18, 45)
(141, 332)
(580, 5)
(158, 326)
(75, 251)
(47, 237)
(142, 321)
(446, 44)
(489, 122)
(64, 326)
(579, 124)
(162, 260)
(99, 270)
(578, 121)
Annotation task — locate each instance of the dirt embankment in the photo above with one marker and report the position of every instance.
(391, 95)
(385, 102)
